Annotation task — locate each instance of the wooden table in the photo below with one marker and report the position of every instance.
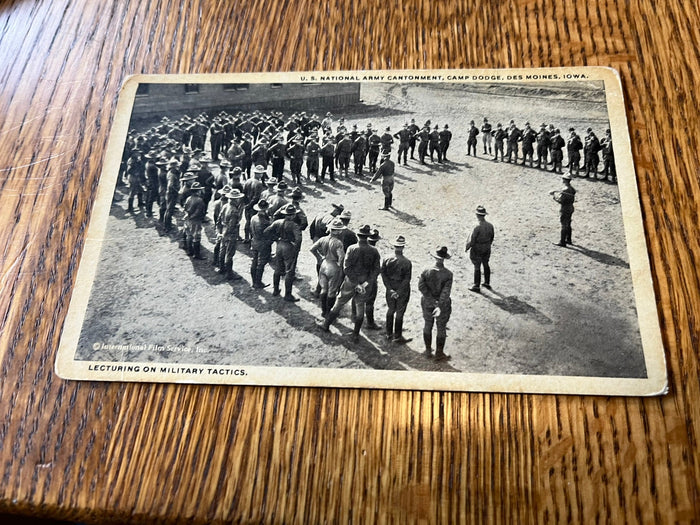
(92, 451)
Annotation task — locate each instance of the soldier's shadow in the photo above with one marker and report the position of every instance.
(513, 305)
(407, 217)
(601, 257)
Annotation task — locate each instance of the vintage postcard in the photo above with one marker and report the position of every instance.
(467, 230)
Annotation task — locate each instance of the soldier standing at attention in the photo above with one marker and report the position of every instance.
(529, 137)
(498, 137)
(471, 141)
(252, 189)
(608, 157)
(374, 143)
(361, 266)
(403, 137)
(413, 134)
(514, 136)
(424, 141)
(434, 144)
(288, 236)
(386, 140)
(396, 274)
(359, 151)
(556, 152)
(386, 171)
(435, 286)
(327, 154)
(479, 248)
(591, 147)
(543, 142)
(172, 192)
(371, 289)
(276, 153)
(573, 151)
(313, 150)
(230, 219)
(486, 136)
(565, 197)
(444, 141)
(195, 212)
(260, 245)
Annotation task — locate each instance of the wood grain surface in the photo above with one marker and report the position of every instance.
(99, 452)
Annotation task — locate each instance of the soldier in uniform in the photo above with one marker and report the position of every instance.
(276, 153)
(330, 254)
(218, 225)
(252, 189)
(373, 146)
(152, 173)
(386, 172)
(514, 136)
(555, 149)
(403, 137)
(288, 236)
(486, 136)
(278, 200)
(371, 290)
(230, 219)
(529, 138)
(499, 135)
(591, 146)
(565, 197)
(386, 140)
(434, 144)
(361, 266)
(413, 129)
(162, 188)
(135, 172)
(359, 151)
(573, 151)
(313, 151)
(435, 286)
(343, 150)
(543, 143)
(260, 245)
(347, 235)
(327, 156)
(195, 212)
(479, 248)
(608, 157)
(444, 141)
(172, 192)
(471, 140)
(396, 274)
(295, 152)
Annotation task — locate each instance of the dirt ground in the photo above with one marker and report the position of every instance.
(554, 311)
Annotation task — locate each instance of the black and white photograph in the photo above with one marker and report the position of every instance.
(429, 230)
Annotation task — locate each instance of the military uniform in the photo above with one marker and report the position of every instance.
(386, 172)
(260, 246)
(479, 248)
(230, 219)
(565, 198)
(396, 275)
(195, 212)
(288, 236)
(330, 255)
(435, 286)
(486, 136)
(471, 140)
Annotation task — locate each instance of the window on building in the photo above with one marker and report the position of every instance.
(191, 88)
(275, 86)
(236, 87)
(142, 90)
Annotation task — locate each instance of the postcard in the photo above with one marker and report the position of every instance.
(458, 230)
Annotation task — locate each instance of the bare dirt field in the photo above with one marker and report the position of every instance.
(552, 310)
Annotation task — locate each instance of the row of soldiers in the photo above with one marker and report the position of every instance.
(549, 145)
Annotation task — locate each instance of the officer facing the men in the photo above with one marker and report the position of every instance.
(479, 248)
(565, 197)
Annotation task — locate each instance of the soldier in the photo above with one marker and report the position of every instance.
(361, 266)
(565, 197)
(573, 151)
(608, 157)
(591, 146)
(543, 143)
(260, 245)
(247, 145)
(374, 143)
(276, 154)
(386, 171)
(347, 235)
(230, 219)
(258, 155)
(135, 172)
(386, 140)
(319, 226)
(171, 192)
(359, 151)
(313, 151)
(195, 212)
(236, 155)
(162, 187)
(444, 142)
(413, 134)
(396, 274)
(556, 153)
(514, 136)
(252, 189)
(216, 139)
(435, 286)
(471, 140)
(423, 142)
(479, 248)
(343, 150)
(529, 137)
(295, 152)
(327, 155)
(371, 290)
(403, 137)
(218, 225)
(330, 254)
(486, 135)
(278, 200)
(152, 175)
(434, 144)
(499, 135)
(288, 236)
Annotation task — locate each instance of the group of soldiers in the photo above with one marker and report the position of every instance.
(241, 171)
(549, 144)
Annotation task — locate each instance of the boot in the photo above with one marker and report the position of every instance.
(324, 304)
(356, 331)
(258, 279)
(275, 285)
(371, 325)
(389, 326)
(288, 280)
(427, 339)
(399, 338)
(332, 316)
(196, 246)
(440, 355)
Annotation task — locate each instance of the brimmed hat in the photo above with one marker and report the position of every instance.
(296, 193)
(337, 225)
(365, 231)
(346, 215)
(289, 209)
(162, 161)
(338, 207)
(223, 191)
(196, 186)
(374, 236)
(235, 193)
(188, 176)
(480, 210)
(260, 169)
(399, 241)
(225, 163)
(441, 253)
(281, 186)
(261, 205)
(173, 162)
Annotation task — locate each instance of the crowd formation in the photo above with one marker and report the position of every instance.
(228, 174)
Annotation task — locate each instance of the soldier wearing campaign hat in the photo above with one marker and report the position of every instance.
(313, 152)
(486, 136)
(172, 192)
(278, 200)
(565, 197)
(386, 172)
(221, 201)
(591, 147)
(347, 235)
(396, 275)
(403, 136)
(471, 140)
(499, 135)
(260, 244)
(330, 254)
(295, 152)
(555, 150)
(608, 157)
(434, 144)
(195, 212)
(479, 248)
(288, 236)
(361, 266)
(327, 156)
(136, 175)
(435, 286)
(252, 189)
(371, 295)
(573, 151)
(152, 173)
(374, 143)
(229, 223)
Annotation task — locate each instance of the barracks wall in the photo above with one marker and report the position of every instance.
(174, 100)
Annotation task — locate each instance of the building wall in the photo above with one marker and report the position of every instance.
(173, 100)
